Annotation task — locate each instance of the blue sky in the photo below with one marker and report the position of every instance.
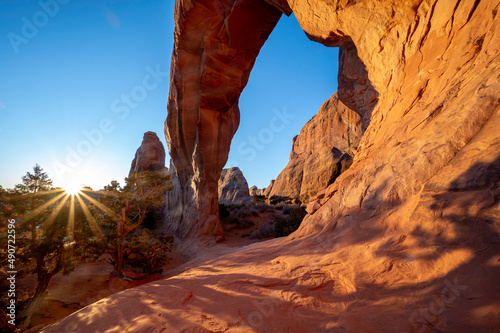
(82, 80)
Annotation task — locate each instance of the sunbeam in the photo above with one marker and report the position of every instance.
(90, 219)
(71, 218)
(100, 206)
(56, 211)
(38, 210)
(72, 189)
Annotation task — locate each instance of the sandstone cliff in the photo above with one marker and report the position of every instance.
(320, 153)
(150, 156)
(233, 187)
(407, 239)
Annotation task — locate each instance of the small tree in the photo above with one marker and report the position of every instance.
(151, 252)
(32, 184)
(129, 206)
(42, 244)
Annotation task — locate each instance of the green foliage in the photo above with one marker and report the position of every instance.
(232, 223)
(259, 198)
(151, 251)
(245, 211)
(263, 207)
(44, 245)
(286, 225)
(35, 182)
(125, 209)
(266, 231)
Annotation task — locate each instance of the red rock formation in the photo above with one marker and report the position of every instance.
(216, 44)
(150, 156)
(253, 190)
(233, 187)
(407, 239)
(322, 150)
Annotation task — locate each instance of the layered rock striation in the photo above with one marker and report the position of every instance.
(323, 150)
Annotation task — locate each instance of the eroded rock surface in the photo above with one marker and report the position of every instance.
(320, 153)
(407, 239)
(233, 187)
(215, 46)
(253, 190)
(150, 156)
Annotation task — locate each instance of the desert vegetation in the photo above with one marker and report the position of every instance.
(258, 219)
(57, 230)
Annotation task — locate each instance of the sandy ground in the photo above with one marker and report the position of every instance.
(93, 281)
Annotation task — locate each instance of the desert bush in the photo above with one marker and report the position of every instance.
(246, 211)
(264, 207)
(149, 252)
(259, 198)
(266, 231)
(232, 223)
(286, 225)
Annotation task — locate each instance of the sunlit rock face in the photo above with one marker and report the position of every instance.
(407, 239)
(150, 156)
(233, 187)
(253, 190)
(320, 153)
(215, 46)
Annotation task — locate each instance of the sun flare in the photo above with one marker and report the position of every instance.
(72, 189)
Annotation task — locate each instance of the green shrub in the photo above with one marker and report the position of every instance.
(246, 211)
(232, 223)
(263, 207)
(151, 252)
(266, 231)
(259, 198)
(284, 226)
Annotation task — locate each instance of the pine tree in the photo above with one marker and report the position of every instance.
(129, 206)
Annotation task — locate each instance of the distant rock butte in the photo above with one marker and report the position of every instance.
(253, 190)
(320, 153)
(406, 240)
(150, 156)
(233, 187)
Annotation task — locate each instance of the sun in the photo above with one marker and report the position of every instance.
(72, 189)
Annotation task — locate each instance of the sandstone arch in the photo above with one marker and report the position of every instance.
(413, 220)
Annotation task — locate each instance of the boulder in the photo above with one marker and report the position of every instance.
(150, 156)
(233, 187)
(253, 190)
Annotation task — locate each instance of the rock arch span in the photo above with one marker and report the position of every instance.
(211, 64)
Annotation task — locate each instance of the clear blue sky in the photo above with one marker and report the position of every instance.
(65, 78)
